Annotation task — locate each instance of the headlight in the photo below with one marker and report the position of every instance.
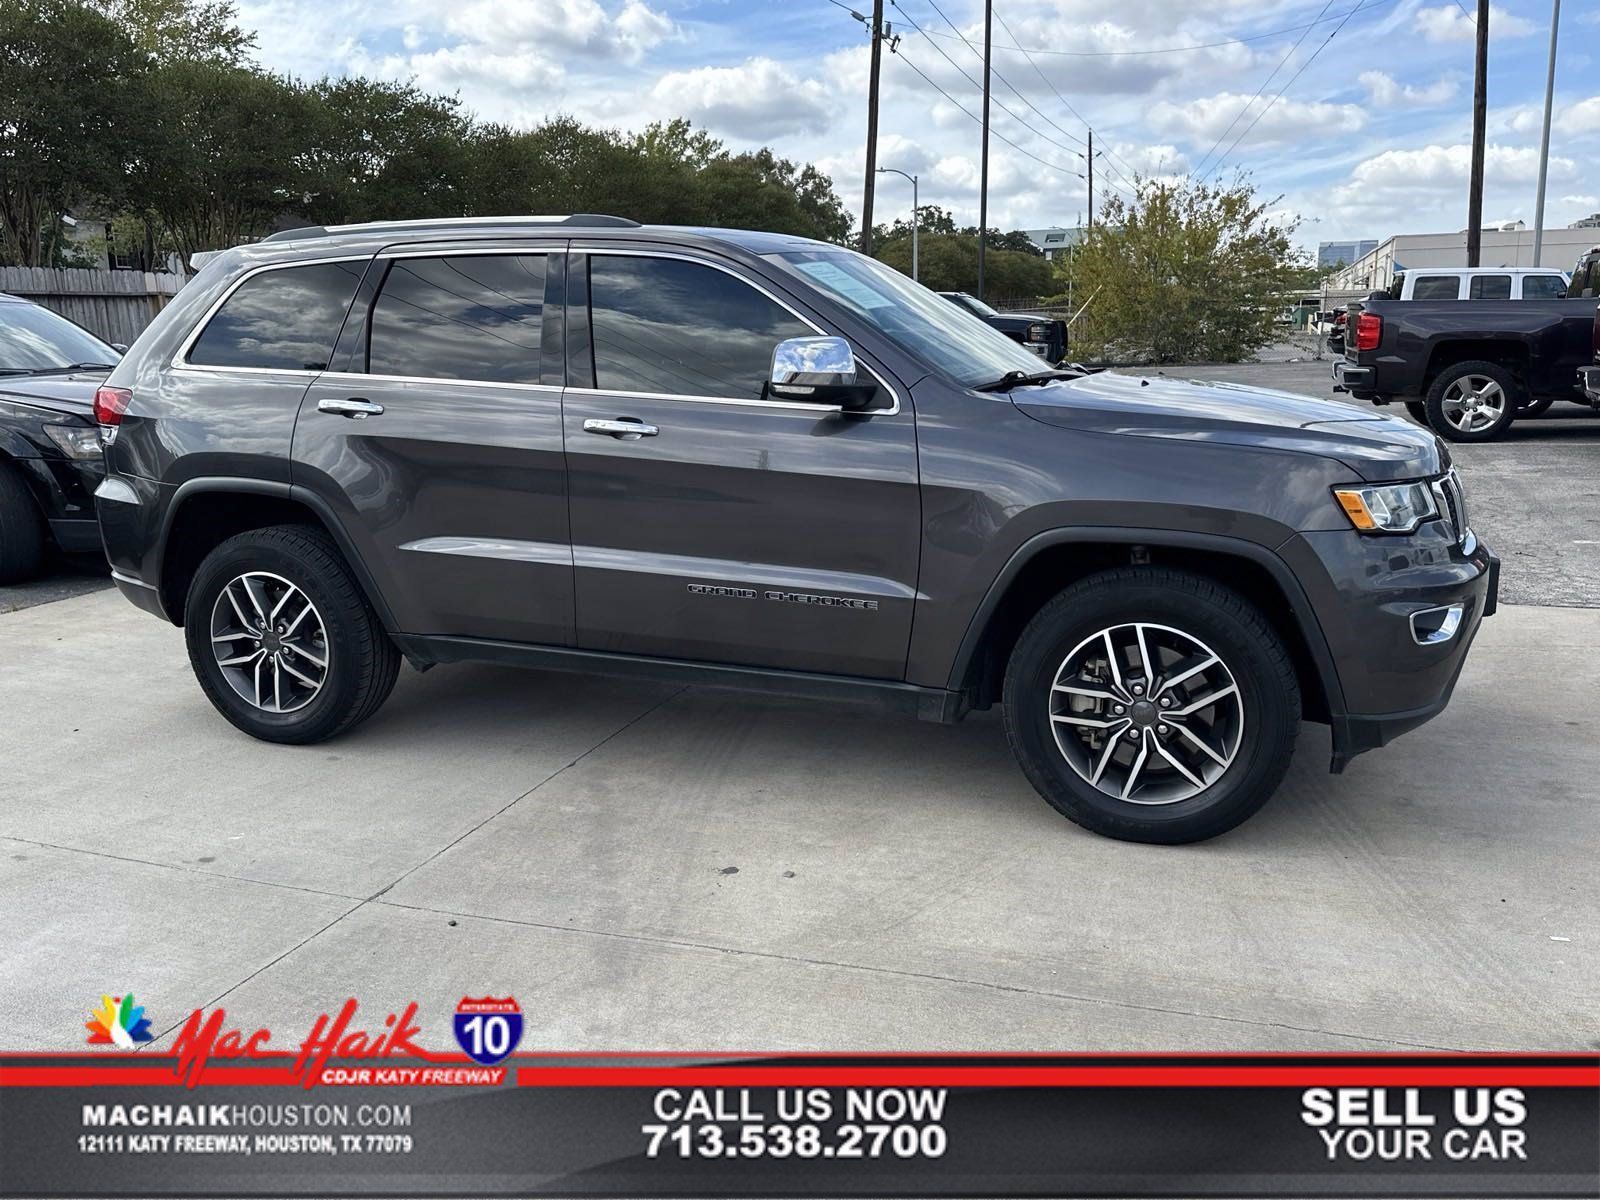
(1387, 507)
(76, 441)
(1039, 333)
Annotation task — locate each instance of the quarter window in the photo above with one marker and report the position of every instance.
(682, 329)
(469, 317)
(1490, 287)
(285, 319)
(1436, 287)
(1543, 287)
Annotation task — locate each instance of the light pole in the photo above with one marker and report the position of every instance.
(915, 216)
(1544, 141)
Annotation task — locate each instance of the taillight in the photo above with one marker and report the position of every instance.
(1369, 331)
(110, 403)
(1597, 335)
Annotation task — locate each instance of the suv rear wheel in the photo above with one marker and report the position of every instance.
(1152, 705)
(282, 640)
(1474, 402)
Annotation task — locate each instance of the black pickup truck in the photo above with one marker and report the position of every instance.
(1045, 336)
(1467, 368)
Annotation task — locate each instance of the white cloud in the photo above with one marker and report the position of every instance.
(558, 27)
(1395, 174)
(1382, 89)
(1582, 117)
(1209, 118)
(757, 101)
(1451, 23)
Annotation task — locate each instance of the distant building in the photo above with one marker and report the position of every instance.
(1592, 221)
(1330, 254)
(1510, 245)
(1054, 239)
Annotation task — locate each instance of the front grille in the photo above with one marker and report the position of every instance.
(1452, 503)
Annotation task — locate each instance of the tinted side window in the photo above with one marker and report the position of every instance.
(1436, 287)
(1490, 287)
(470, 317)
(285, 319)
(1542, 287)
(682, 329)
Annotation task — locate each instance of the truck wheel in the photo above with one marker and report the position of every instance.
(1532, 408)
(282, 640)
(1473, 402)
(21, 535)
(1418, 411)
(1152, 705)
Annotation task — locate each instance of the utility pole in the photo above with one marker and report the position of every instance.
(872, 126)
(1090, 161)
(1544, 142)
(983, 170)
(1480, 116)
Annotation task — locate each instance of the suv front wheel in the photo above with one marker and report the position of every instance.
(282, 640)
(1152, 705)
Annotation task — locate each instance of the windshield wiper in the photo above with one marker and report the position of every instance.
(1012, 379)
(83, 366)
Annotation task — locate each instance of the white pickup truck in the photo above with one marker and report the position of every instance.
(1479, 283)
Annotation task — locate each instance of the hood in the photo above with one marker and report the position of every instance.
(1374, 446)
(70, 393)
(1016, 320)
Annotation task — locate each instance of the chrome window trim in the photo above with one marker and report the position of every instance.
(180, 358)
(440, 379)
(585, 248)
(401, 250)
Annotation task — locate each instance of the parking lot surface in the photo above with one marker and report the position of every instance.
(646, 867)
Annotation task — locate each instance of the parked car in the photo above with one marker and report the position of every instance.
(1045, 336)
(1586, 276)
(1467, 370)
(49, 443)
(1479, 283)
(752, 460)
(1589, 376)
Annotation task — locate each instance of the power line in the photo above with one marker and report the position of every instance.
(1239, 116)
(1323, 45)
(1238, 41)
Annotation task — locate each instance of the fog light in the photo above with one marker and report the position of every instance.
(1432, 626)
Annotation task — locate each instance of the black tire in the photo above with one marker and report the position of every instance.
(21, 531)
(361, 661)
(1509, 385)
(1223, 621)
(1418, 410)
(1534, 408)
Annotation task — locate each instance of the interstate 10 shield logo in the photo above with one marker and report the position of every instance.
(488, 1029)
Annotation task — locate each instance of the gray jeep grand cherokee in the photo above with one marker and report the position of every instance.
(747, 460)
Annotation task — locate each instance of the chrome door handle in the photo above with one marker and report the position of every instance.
(358, 410)
(627, 427)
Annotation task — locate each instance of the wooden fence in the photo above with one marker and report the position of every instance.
(113, 305)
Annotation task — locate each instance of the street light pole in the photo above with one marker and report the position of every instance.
(916, 215)
(1544, 142)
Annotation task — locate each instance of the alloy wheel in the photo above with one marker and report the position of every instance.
(1473, 403)
(269, 642)
(1146, 713)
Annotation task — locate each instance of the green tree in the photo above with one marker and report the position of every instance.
(949, 263)
(175, 30)
(1182, 271)
(66, 73)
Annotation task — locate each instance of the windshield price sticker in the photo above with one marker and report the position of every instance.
(801, 1123)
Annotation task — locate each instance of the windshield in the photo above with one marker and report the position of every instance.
(35, 339)
(920, 322)
(976, 305)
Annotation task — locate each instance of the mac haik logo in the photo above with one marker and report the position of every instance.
(488, 1029)
(204, 1038)
(118, 1022)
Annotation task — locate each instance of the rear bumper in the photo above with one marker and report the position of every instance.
(76, 535)
(1589, 382)
(1357, 380)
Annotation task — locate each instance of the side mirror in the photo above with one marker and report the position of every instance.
(818, 370)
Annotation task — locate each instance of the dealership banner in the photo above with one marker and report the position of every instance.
(357, 1107)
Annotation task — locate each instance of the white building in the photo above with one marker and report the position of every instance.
(1509, 246)
(1054, 239)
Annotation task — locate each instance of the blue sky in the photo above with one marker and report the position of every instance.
(1369, 138)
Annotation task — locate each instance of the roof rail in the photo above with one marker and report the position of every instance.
(590, 220)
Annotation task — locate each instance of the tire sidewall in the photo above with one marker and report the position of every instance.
(1508, 384)
(325, 712)
(1268, 723)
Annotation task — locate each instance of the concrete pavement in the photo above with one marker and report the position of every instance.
(647, 867)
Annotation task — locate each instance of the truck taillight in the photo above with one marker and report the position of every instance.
(1369, 331)
(1596, 340)
(110, 403)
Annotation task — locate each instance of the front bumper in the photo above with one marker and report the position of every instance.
(1589, 381)
(1367, 592)
(1357, 380)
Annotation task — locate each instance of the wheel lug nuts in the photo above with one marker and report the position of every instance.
(1166, 702)
(1118, 709)
(1138, 689)
(1162, 730)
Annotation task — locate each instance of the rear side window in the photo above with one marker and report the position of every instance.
(1490, 287)
(678, 328)
(1543, 287)
(285, 319)
(1436, 287)
(473, 317)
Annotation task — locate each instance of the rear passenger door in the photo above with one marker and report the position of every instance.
(435, 437)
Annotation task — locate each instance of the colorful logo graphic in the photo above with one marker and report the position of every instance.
(488, 1029)
(118, 1022)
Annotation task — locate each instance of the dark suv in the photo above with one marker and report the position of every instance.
(757, 461)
